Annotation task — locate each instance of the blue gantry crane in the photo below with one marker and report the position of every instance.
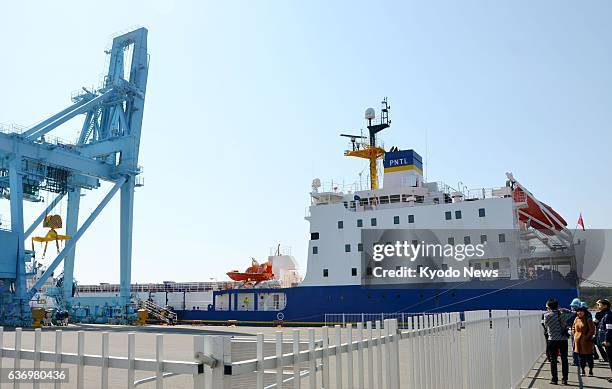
(33, 161)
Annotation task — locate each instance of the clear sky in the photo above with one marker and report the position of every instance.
(246, 99)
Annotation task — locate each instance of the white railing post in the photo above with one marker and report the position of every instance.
(279, 359)
(296, 359)
(216, 347)
(198, 350)
(105, 354)
(159, 359)
(360, 365)
(36, 383)
(349, 355)
(338, 349)
(58, 357)
(312, 363)
(81, 361)
(131, 357)
(379, 355)
(370, 336)
(325, 361)
(260, 361)
(17, 361)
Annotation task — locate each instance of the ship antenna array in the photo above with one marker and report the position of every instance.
(369, 150)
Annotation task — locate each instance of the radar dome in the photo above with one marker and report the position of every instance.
(370, 113)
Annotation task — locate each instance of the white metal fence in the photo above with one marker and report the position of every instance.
(487, 349)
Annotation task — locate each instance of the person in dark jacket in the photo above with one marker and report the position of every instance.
(604, 329)
(598, 342)
(556, 324)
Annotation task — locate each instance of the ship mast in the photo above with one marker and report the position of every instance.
(370, 150)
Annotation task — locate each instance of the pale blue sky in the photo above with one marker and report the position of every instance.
(246, 99)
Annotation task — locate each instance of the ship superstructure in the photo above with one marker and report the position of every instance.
(527, 244)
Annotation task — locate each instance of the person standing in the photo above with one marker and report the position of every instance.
(604, 330)
(574, 305)
(557, 323)
(584, 330)
(598, 339)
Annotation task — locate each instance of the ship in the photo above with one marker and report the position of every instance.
(529, 249)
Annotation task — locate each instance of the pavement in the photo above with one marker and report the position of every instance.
(540, 376)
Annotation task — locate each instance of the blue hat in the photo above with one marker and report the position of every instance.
(576, 303)
(584, 305)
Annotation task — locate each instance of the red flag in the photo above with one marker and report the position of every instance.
(581, 222)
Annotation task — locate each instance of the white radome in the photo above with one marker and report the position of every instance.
(370, 113)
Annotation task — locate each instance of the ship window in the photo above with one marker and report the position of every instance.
(354, 272)
(495, 265)
(315, 250)
(420, 199)
(448, 215)
(394, 198)
(466, 240)
(325, 272)
(483, 239)
(359, 222)
(457, 214)
(340, 224)
(395, 219)
(347, 248)
(451, 241)
(444, 266)
(384, 199)
(415, 243)
(477, 266)
(410, 218)
(368, 271)
(481, 212)
(363, 202)
(373, 222)
(436, 200)
(314, 235)
(502, 238)
(345, 204)
(359, 246)
(404, 198)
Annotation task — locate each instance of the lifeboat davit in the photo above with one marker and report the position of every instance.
(535, 216)
(254, 273)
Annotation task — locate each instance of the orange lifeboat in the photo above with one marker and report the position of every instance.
(254, 273)
(535, 216)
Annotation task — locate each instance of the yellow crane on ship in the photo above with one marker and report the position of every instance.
(369, 149)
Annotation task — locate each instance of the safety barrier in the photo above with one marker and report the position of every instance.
(57, 359)
(487, 349)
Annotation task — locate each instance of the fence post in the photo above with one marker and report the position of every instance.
(296, 359)
(131, 357)
(370, 356)
(379, 354)
(105, 353)
(360, 368)
(279, 359)
(17, 361)
(218, 347)
(159, 358)
(325, 372)
(312, 363)
(58, 356)
(81, 362)
(338, 350)
(198, 349)
(349, 355)
(260, 361)
(36, 383)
